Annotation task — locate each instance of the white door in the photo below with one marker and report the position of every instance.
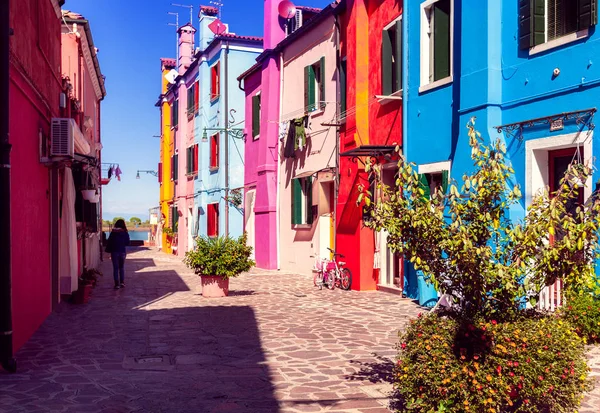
(249, 220)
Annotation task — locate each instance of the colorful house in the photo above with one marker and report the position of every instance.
(272, 181)
(206, 108)
(527, 71)
(370, 129)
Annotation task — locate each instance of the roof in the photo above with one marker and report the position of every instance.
(72, 17)
(168, 62)
(311, 9)
(208, 11)
(238, 37)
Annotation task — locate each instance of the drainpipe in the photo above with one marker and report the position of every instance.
(336, 181)
(6, 335)
(279, 167)
(226, 139)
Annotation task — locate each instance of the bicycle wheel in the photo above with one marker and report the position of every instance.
(318, 279)
(346, 280)
(330, 281)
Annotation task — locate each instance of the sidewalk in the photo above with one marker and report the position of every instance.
(276, 344)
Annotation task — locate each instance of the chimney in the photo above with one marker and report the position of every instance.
(274, 29)
(186, 41)
(208, 16)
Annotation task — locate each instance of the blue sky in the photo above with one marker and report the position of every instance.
(131, 37)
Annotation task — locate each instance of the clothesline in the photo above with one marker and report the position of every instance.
(306, 110)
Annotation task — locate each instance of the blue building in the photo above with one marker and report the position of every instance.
(218, 127)
(528, 70)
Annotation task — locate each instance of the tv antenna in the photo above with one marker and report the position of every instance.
(191, 19)
(176, 34)
(218, 5)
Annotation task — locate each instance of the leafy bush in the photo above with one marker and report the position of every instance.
(531, 364)
(583, 312)
(222, 256)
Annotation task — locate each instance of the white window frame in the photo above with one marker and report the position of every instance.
(397, 93)
(536, 160)
(255, 138)
(426, 48)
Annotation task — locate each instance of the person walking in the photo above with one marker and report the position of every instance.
(159, 231)
(117, 241)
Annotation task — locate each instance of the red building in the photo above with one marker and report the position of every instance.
(371, 127)
(34, 96)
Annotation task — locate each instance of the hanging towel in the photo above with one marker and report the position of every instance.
(118, 173)
(290, 144)
(284, 128)
(299, 125)
(110, 172)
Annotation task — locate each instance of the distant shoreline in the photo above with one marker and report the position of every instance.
(138, 229)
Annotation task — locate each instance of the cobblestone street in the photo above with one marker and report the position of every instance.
(276, 344)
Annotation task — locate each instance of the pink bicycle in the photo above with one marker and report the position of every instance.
(332, 273)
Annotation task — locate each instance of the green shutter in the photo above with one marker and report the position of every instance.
(175, 113)
(307, 71)
(322, 84)
(587, 14)
(398, 56)
(190, 99)
(386, 64)
(309, 214)
(425, 186)
(445, 181)
(297, 199)
(441, 40)
(175, 167)
(255, 115)
(343, 86)
(311, 88)
(539, 22)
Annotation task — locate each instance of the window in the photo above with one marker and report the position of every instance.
(391, 58)
(197, 97)
(174, 166)
(212, 220)
(215, 82)
(343, 86)
(175, 113)
(436, 41)
(191, 160)
(160, 173)
(431, 182)
(314, 86)
(302, 201)
(214, 151)
(190, 101)
(542, 21)
(256, 116)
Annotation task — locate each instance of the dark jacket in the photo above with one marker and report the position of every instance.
(117, 241)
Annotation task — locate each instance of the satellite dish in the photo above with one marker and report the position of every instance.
(286, 9)
(171, 76)
(217, 27)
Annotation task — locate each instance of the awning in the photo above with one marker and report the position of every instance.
(375, 152)
(304, 174)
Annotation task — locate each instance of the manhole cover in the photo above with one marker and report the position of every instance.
(153, 362)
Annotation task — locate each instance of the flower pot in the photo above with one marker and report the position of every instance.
(214, 286)
(82, 295)
(88, 193)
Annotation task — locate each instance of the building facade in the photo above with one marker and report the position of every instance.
(532, 82)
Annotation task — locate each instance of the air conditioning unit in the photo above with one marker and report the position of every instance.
(66, 138)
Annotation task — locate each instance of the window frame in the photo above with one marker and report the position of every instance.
(302, 211)
(314, 87)
(399, 48)
(214, 141)
(255, 118)
(426, 50)
(436, 168)
(215, 81)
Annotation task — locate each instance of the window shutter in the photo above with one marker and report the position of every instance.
(196, 158)
(190, 100)
(297, 199)
(190, 160)
(322, 84)
(587, 14)
(175, 113)
(216, 219)
(398, 55)
(525, 25)
(255, 115)
(307, 71)
(175, 167)
(441, 40)
(425, 186)
(386, 64)
(539, 22)
(309, 214)
(343, 87)
(445, 181)
(196, 96)
(160, 172)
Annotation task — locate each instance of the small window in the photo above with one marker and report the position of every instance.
(196, 97)
(431, 182)
(256, 116)
(212, 220)
(174, 166)
(190, 102)
(436, 41)
(214, 152)
(160, 173)
(542, 21)
(343, 88)
(174, 217)
(391, 58)
(302, 201)
(192, 160)
(175, 113)
(215, 82)
(314, 86)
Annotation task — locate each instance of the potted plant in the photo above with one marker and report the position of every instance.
(216, 260)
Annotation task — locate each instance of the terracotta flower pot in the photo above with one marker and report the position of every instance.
(214, 286)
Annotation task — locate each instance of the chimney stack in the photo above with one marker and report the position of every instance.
(186, 40)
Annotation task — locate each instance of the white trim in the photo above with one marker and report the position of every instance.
(425, 48)
(393, 22)
(429, 168)
(536, 160)
(243, 48)
(89, 62)
(561, 41)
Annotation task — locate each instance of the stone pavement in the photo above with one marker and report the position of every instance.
(276, 344)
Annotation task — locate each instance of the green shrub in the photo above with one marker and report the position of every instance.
(222, 256)
(530, 365)
(583, 312)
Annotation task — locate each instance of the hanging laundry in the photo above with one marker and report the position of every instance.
(118, 173)
(110, 172)
(290, 144)
(300, 125)
(283, 130)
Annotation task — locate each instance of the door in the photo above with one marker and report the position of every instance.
(249, 219)
(391, 273)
